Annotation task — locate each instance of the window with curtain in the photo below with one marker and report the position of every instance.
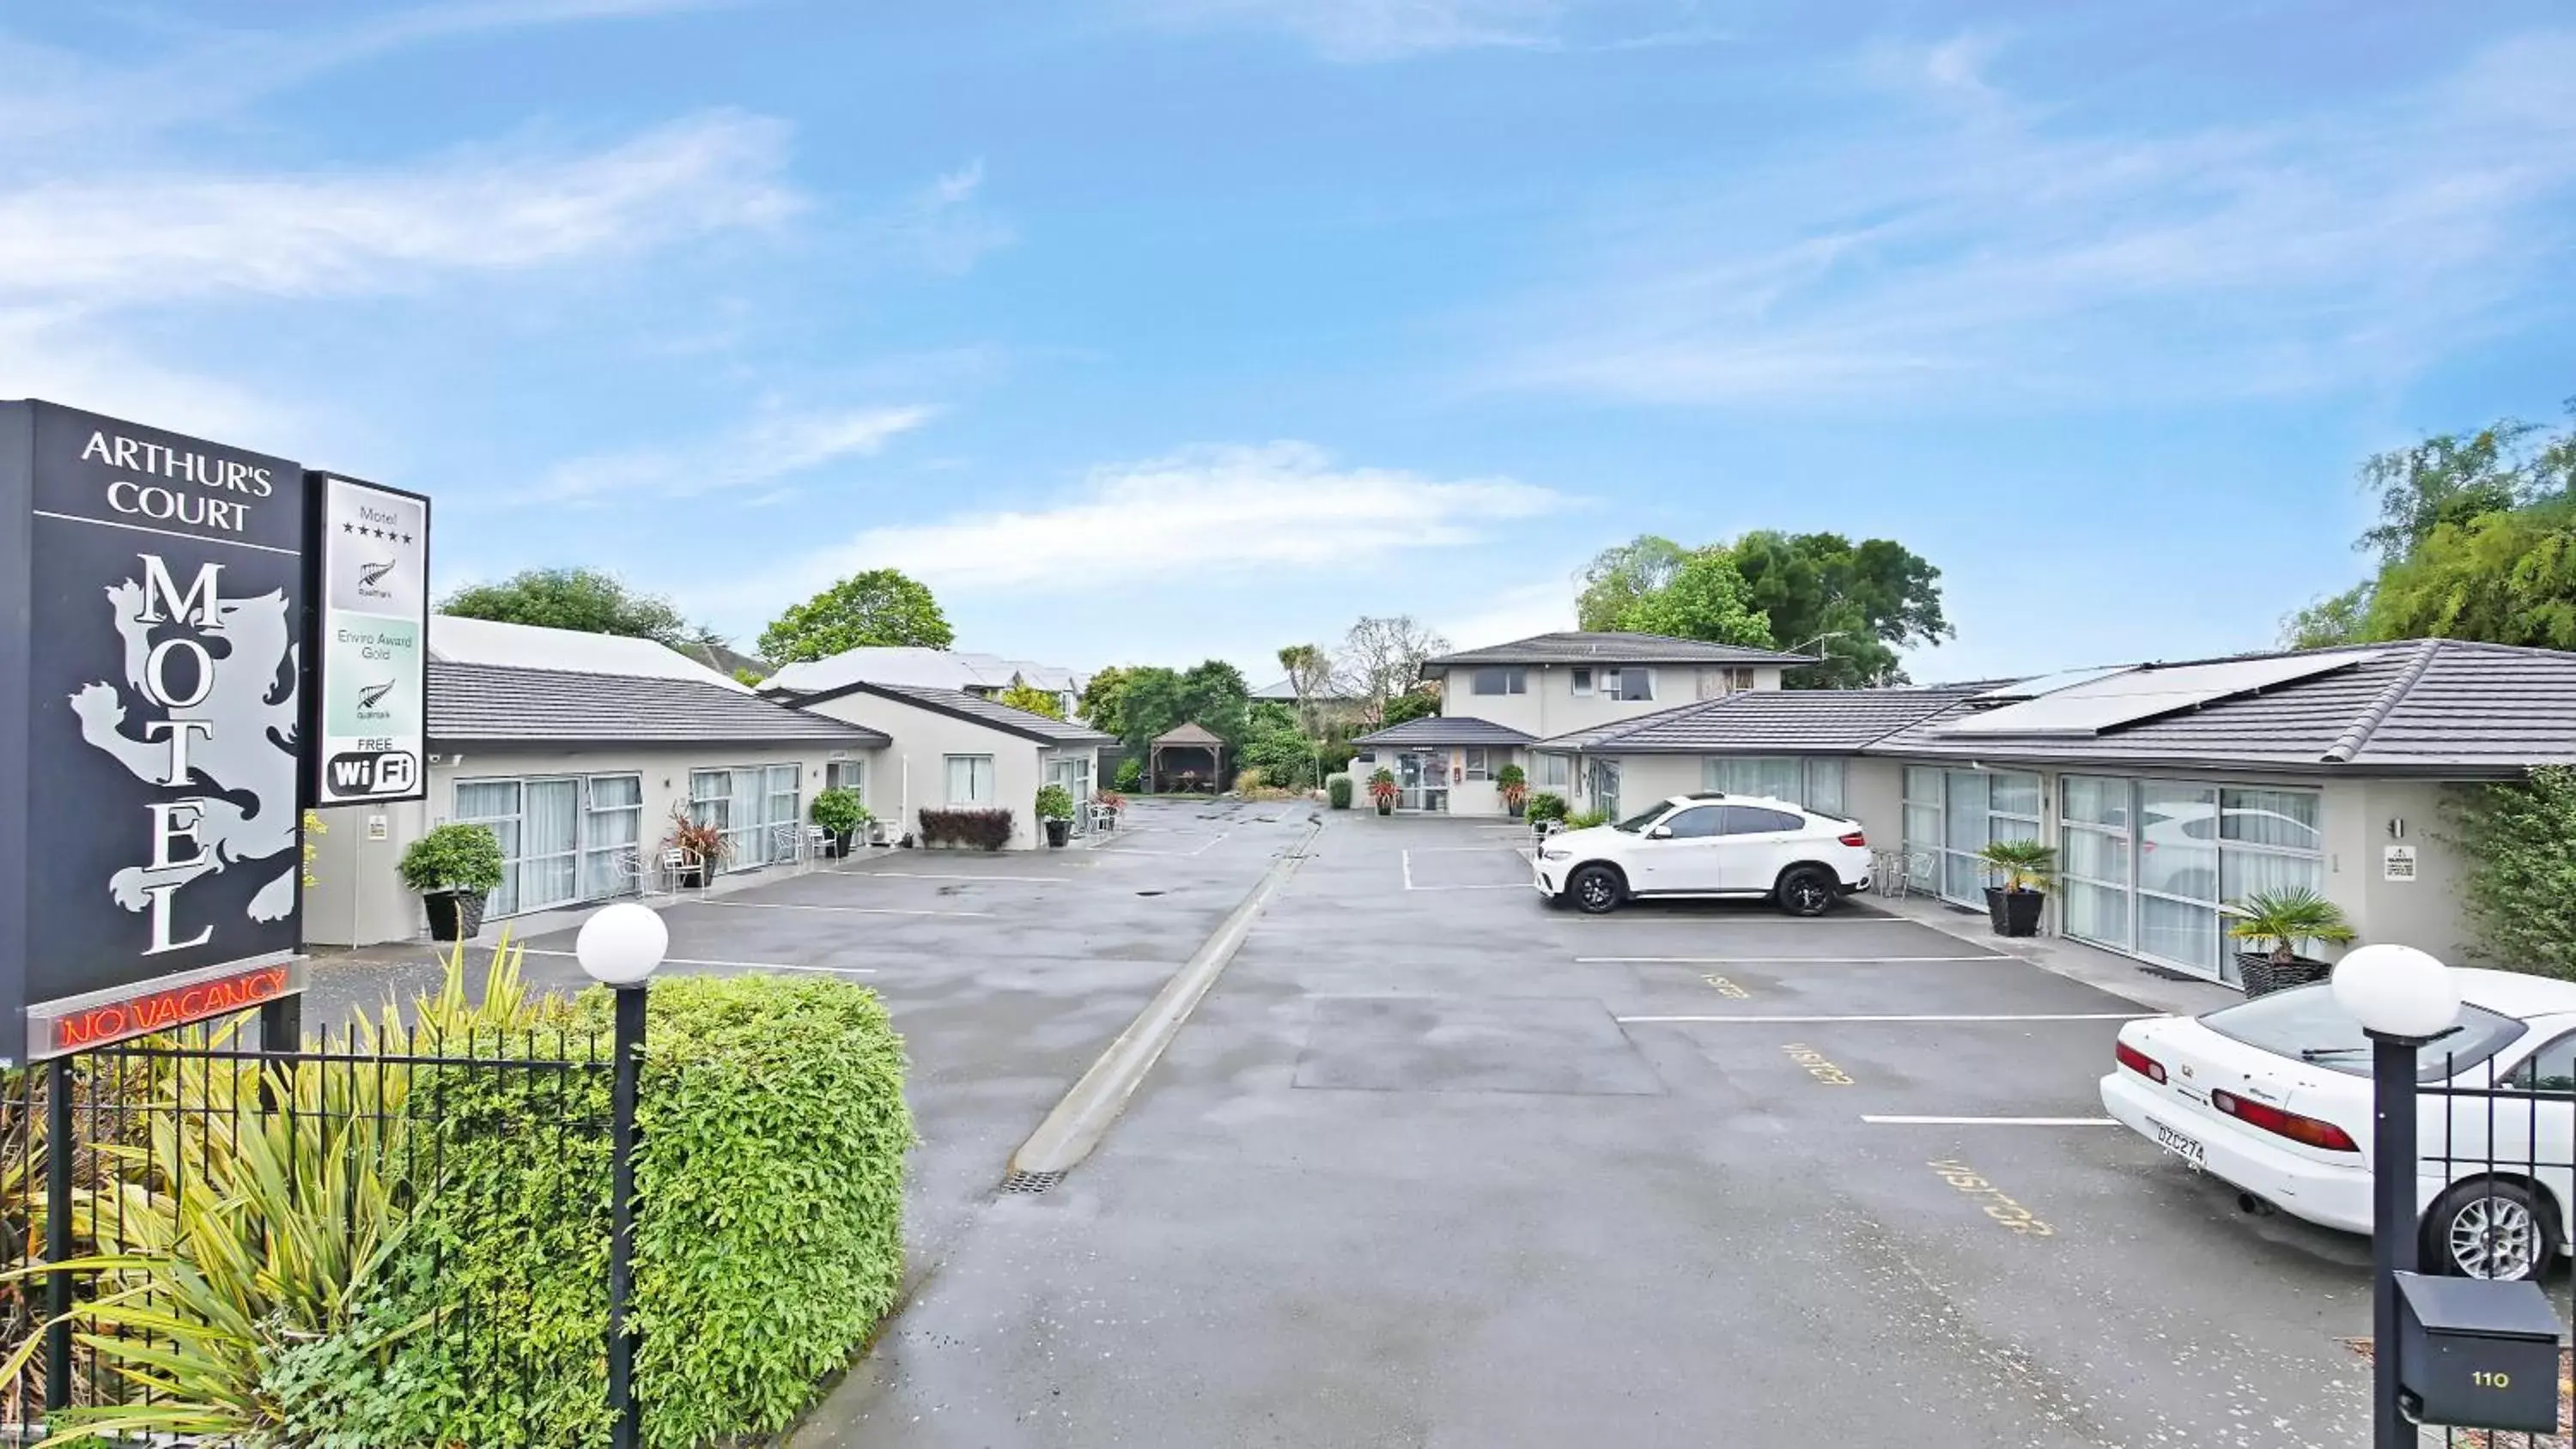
(785, 816)
(612, 827)
(1554, 772)
(1922, 834)
(1633, 682)
(549, 843)
(1825, 787)
(1580, 681)
(970, 779)
(851, 775)
(1779, 777)
(2094, 857)
(494, 805)
(1478, 763)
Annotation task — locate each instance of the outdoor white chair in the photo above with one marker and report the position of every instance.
(1104, 818)
(816, 837)
(675, 865)
(786, 845)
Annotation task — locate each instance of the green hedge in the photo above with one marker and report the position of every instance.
(768, 1244)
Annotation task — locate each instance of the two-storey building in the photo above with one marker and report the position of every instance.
(1499, 701)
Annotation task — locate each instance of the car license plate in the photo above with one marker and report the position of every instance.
(2186, 1148)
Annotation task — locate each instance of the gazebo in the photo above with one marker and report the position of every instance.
(1187, 737)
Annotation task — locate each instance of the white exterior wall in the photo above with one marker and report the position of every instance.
(2424, 912)
(1551, 707)
(914, 772)
(357, 899)
(1874, 795)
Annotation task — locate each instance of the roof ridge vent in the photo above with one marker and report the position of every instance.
(2351, 742)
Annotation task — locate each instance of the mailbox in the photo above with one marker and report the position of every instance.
(2475, 1353)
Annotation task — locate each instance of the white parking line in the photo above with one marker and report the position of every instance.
(837, 910)
(1754, 960)
(1114, 848)
(935, 875)
(1518, 885)
(1991, 1121)
(2060, 1016)
(736, 965)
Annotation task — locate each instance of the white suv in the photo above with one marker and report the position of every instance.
(1708, 845)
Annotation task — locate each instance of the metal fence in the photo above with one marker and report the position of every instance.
(366, 1158)
(2506, 1141)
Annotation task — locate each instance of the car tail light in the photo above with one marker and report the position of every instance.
(1854, 839)
(2285, 1124)
(2140, 1063)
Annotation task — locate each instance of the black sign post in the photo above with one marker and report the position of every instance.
(152, 615)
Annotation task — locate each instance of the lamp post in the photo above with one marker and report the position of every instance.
(2403, 998)
(618, 947)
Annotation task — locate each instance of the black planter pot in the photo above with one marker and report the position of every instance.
(454, 915)
(2263, 975)
(692, 878)
(1058, 832)
(2015, 913)
(1517, 808)
(1386, 807)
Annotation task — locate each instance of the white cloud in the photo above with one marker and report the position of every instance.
(770, 448)
(1205, 510)
(1543, 607)
(943, 226)
(140, 238)
(1976, 243)
(1372, 30)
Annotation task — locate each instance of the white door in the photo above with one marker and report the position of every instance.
(1684, 853)
(550, 844)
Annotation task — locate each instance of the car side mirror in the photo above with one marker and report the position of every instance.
(1660, 832)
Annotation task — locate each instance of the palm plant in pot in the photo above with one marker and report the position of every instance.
(2285, 918)
(840, 815)
(1383, 790)
(1513, 783)
(706, 847)
(2027, 867)
(1055, 807)
(455, 868)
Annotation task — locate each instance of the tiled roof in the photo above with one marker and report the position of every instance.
(959, 704)
(454, 639)
(1446, 729)
(1191, 733)
(1771, 720)
(1611, 649)
(490, 704)
(2439, 707)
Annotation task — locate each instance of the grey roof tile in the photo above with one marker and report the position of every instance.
(1446, 729)
(1584, 647)
(1044, 729)
(1771, 721)
(489, 704)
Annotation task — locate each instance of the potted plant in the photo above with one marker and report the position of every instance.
(2026, 866)
(706, 845)
(1513, 782)
(455, 868)
(839, 813)
(1383, 789)
(2285, 918)
(1545, 812)
(1055, 807)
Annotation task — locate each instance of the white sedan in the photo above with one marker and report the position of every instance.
(2273, 1096)
(1708, 845)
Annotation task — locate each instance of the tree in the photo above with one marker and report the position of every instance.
(1382, 658)
(2502, 577)
(877, 609)
(591, 601)
(1705, 599)
(2449, 479)
(1033, 699)
(1618, 578)
(1150, 703)
(1853, 605)
(1104, 699)
(1213, 694)
(2519, 840)
(2335, 619)
(1308, 668)
(1413, 704)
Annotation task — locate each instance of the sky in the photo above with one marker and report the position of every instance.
(1152, 330)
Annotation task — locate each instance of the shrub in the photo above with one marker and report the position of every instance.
(1338, 790)
(1585, 820)
(1054, 803)
(1547, 806)
(1510, 775)
(462, 858)
(1130, 776)
(980, 829)
(838, 810)
(1247, 781)
(2519, 841)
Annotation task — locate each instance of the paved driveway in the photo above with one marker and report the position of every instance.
(1436, 1165)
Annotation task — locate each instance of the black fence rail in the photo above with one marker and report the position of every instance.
(407, 1232)
(2505, 1142)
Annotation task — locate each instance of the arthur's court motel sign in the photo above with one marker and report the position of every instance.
(156, 665)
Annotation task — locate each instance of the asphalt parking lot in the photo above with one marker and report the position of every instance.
(1436, 1165)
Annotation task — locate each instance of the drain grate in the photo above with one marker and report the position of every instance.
(1030, 1184)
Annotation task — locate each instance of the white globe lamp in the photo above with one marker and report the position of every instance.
(621, 944)
(2397, 991)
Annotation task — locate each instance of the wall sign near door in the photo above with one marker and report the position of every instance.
(2398, 863)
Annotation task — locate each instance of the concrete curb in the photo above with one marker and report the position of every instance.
(1084, 1116)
